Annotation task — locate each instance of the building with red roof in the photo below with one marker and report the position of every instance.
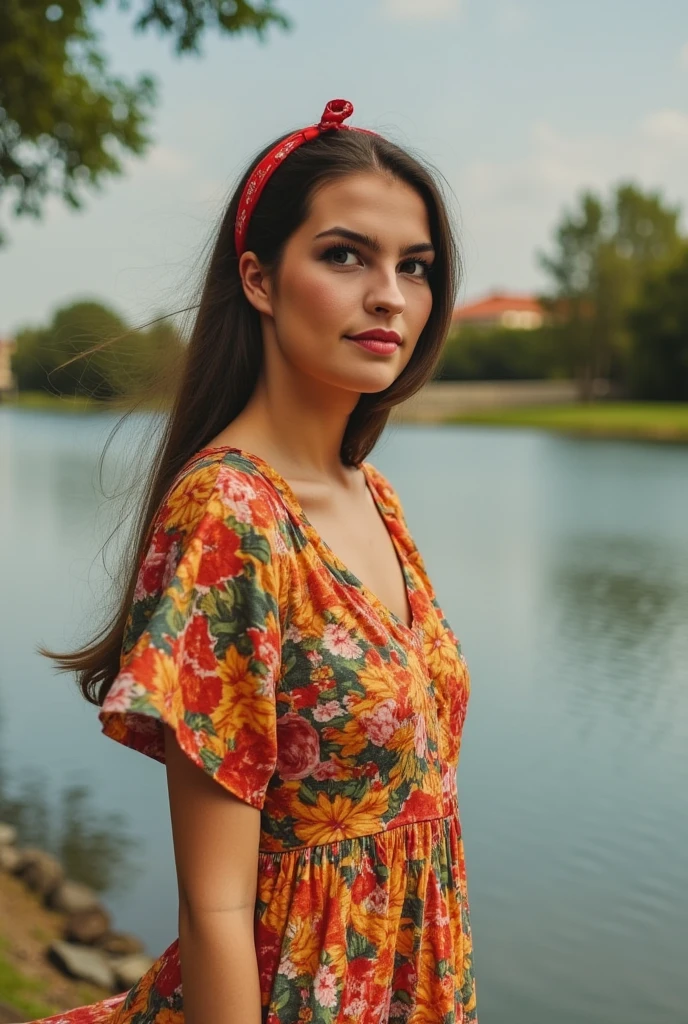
(501, 309)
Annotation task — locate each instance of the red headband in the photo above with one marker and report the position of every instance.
(335, 112)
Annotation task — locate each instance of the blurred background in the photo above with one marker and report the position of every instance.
(544, 472)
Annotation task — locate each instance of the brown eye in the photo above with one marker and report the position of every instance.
(338, 254)
(415, 268)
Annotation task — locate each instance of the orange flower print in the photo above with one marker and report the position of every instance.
(188, 500)
(181, 589)
(165, 695)
(244, 701)
(350, 739)
(303, 946)
(377, 678)
(167, 1016)
(438, 647)
(339, 818)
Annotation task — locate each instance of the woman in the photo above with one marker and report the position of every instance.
(280, 646)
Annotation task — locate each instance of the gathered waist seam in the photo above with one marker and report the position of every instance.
(452, 816)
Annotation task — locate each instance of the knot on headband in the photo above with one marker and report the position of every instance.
(335, 113)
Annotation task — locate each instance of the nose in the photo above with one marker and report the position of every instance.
(384, 294)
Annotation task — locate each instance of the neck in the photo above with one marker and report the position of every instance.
(297, 425)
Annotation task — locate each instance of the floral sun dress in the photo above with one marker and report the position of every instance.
(296, 689)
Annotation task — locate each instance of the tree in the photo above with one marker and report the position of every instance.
(603, 253)
(501, 353)
(659, 327)
(128, 363)
(40, 352)
(65, 119)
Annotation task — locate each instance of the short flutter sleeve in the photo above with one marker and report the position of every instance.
(202, 647)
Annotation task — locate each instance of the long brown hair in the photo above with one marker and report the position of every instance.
(224, 354)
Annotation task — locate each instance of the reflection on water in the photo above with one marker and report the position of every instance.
(93, 846)
(621, 591)
(619, 607)
(563, 567)
(618, 620)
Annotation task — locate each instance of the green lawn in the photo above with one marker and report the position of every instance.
(638, 420)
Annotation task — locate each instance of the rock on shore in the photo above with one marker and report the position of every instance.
(81, 942)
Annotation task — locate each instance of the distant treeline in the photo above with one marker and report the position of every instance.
(110, 360)
(618, 305)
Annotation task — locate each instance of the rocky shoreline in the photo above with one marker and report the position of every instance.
(82, 944)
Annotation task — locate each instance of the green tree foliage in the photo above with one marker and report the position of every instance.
(66, 120)
(659, 325)
(480, 353)
(127, 364)
(603, 252)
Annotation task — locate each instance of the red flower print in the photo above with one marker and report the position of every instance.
(364, 882)
(306, 696)
(220, 558)
(268, 946)
(198, 645)
(153, 566)
(420, 806)
(266, 648)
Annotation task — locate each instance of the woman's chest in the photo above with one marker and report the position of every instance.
(369, 718)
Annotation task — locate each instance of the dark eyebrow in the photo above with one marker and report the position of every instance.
(372, 243)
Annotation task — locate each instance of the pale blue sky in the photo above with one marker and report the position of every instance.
(520, 104)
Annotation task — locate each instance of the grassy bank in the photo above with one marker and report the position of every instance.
(29, 983)
(43, 401)
(644, 421)
(24, 995)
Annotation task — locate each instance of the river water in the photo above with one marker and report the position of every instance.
(562, 565)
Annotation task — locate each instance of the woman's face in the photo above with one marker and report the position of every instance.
(358, 263)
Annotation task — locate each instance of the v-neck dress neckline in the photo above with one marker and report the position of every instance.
(327, 555)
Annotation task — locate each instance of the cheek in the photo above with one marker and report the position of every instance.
(319, 299)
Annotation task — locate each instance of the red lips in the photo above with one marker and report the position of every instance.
(376, 335)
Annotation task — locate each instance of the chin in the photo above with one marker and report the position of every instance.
(370, 388)
(373, 380)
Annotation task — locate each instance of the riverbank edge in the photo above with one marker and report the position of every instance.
(665, 422)
(30, 986)
(57, 948)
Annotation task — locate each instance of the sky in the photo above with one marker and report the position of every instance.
(520, 104)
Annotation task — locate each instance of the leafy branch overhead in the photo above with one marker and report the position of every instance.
(187, 19)
(66, 120)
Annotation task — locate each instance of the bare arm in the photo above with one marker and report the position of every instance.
(216, 838)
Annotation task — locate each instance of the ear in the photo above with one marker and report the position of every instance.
(255, 282)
